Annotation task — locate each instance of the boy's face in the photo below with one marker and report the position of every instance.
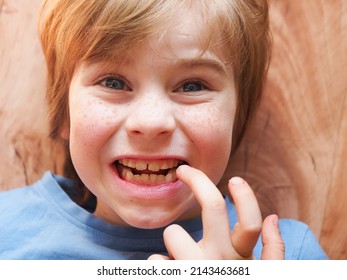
(133, 123)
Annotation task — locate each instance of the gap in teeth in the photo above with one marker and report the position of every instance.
(127, 174)
(148, 172)
(156, 165)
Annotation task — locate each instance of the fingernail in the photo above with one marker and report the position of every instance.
(275, 220)
(236, 181)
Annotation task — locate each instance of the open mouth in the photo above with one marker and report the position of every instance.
(148, 172)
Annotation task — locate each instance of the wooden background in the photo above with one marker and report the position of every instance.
(295, 152)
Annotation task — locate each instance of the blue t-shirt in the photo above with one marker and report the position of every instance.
(42, 222)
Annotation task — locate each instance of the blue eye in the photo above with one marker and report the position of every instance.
(114, 83)
(192, 86)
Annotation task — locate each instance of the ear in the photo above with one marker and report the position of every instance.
(64, 131)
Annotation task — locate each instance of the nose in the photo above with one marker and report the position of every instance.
(151, 117)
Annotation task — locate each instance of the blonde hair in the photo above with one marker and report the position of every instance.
(89, 30)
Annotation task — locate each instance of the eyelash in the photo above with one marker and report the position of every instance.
(201, 85)
(103, 82)
(192, 82)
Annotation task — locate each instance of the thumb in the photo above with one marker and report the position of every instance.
(273, 246)
(157, 257)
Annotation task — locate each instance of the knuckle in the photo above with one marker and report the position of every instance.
(216, 205)
(279, 245)
(253, 228)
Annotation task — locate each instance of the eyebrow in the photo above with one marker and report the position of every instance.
(209, 62)
(203, 62)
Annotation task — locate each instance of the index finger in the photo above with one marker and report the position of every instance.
(214, 212)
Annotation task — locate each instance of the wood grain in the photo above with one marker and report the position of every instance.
(25, 149)
(294, 154)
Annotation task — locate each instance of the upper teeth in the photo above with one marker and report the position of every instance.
(152, 165)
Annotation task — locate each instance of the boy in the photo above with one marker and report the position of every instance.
(150, 98)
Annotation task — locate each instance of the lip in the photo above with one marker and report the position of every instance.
(149, 158)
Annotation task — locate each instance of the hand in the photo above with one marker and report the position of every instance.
(217, 241)
(273, 246)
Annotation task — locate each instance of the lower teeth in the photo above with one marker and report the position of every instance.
(147, 179)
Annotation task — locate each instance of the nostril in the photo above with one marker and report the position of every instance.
(135, 132)
(150, 133)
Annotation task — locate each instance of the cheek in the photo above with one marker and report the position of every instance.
(211, 133)
(90, 126)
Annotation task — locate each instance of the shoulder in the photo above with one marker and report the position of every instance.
(25, 203)
(11, 201)
(15, 200)
(42, 222)
(23, 213)
(300, 241)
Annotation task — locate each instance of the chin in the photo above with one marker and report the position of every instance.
(151, 221)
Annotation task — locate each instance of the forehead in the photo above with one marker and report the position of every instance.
(187, 30)
(174, 31)
(185, 38)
